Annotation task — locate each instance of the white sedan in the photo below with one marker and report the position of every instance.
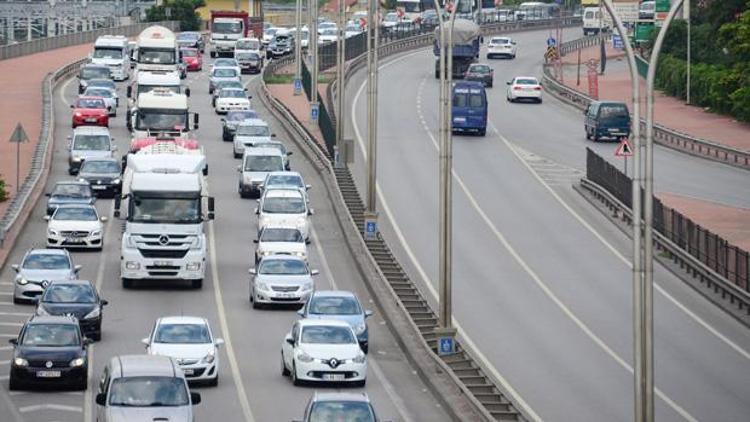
(108, 95)
(524, 88)
(324, 351)
(501, 47)
(191, 343)
(280, 241)
(231, 99)
(327, 35)
(75, 226)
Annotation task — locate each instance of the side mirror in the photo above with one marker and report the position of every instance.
(196, 119)
(257, 211)
(256, 240)
(129, 91)
(195, 398)
(301, 311)
(507, 83)
(368, 313)
(77, 268)
(289, 153)
(289, 340)
(314, 272)
(87, 341)
(13, 341)
(187, 92)
(47, 217)
(211, 204)
(103, 219)
(15, 267)
(252, 271)
(239, 169)
(219, 341)
(308, 187)
(145, 341)
(104, 302)
(273, 135)
(101, 399)
(310, 211)
(47, 194)
(72, 106)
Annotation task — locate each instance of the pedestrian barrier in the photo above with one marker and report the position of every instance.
(715, 262)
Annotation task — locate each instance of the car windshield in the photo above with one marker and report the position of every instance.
(253, 130)
(282, 267)
(232, 93)
(50, 335)
(238, 116)
(165, 210)
(527, 82)
(148, 88)
(263, 163)
(391, 17)
(161, 119)
(107, 53)
(228, 84)
(270, 32)
(188, 36)
(75, 214)
(40, 261)
(480, 69)
(91, 143)
(225, 73)
(281, 235)
(329, 31)
(69, 293)
(352, 28)
(94, 166)
(500, 41)
(247, 56)
(72, 191)
(613, 110)
(284, 180)
(327, 334)
(224, 63)
(103, 83)
(247, 45)
(349, 411)
(334, 305)
(284, 205)
(156, 56)
(90, 103)
(99, 92)
(182, 333)
(226, 27)
(275, 145)
(148, 391)
(94, 72)
(189, 53)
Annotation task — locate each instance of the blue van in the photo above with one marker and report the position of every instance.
(469, 110)
(606, 119)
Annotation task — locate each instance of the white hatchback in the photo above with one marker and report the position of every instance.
(75, 226)
(284, 208)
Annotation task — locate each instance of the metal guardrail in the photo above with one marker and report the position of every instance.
(662, 135)
(705, 275)
(43, 44)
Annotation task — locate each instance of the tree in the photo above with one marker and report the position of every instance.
(179, 10)
(736, 37)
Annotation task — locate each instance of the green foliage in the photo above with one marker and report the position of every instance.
(179, 10)
(3, 191)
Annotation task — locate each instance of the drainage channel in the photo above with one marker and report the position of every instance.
(462, 365)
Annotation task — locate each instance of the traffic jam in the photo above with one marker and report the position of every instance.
(158, 188)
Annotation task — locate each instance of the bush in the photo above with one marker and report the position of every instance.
(3, 192)
(179, 10)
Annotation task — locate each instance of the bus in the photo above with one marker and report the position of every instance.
(533, 10)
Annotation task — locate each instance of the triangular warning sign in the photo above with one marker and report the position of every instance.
(624, 149)
(19, 135)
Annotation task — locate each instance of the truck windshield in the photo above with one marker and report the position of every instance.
(165, 210)
(149, 88)
(227, 27)
(161, 119)
(153, 56)
(107, 53)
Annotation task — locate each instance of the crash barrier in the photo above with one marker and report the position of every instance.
(662, 135)
(43, 44)
(41, 157)
(707, 256)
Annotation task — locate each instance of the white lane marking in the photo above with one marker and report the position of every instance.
(49, 406)
(538, 280)
(6, 294)
(387, 386)
(250, 79)
(5, 283)
(21, 314)
(63, 88)
(235, 368)
(11, 324)
(617, 253)
(6, 347)
(508, 388)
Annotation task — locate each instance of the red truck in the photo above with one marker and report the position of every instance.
(227, 26)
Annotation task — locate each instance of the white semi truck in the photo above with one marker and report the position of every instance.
(156, 49)
(163, 113)
(167, 205)
(112, 51)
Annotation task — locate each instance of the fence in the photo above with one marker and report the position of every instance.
(727, 260)
(51, 43)
(325, 123)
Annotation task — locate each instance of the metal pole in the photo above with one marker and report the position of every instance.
(298, 50)
(689, 48)
(372, 104)
(18, 167)
(313, 46)
(648, 194)
(341, 83)
(638, 351)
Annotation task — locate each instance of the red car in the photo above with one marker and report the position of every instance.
(90, 111)
(192, 59)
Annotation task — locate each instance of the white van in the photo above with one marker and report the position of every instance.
(112, 51)
(594, 21)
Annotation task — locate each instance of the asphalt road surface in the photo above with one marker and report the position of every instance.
(251, 387)
(541, 280)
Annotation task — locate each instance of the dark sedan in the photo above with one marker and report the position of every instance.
(191, 39)
(103, 176)
(76, 298)
(49, 351)
(481, 73)
(69, 193)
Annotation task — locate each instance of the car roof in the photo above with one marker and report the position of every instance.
(333, 293)
(253, 122)
(340, 396)
(262, 151)
(283, 173)
(46, 251)
(182, 320)
(91, 130)
(72, 281)
(314, 322)
(526, 77)
(282, 192)
(71, 182)
(144, 365)
(52, 319)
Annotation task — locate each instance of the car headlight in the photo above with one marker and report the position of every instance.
(304, 357)
(196, 243)
(76, 158)
(307, 286)
(299, 254)
(20, 362)
(77, 362)
(22, 281)
(96, 233)
(116, 182)
(52, 232)
(261, 285)
(41, 311)
(360, 358)
(132, 265)
(193, 266)
(360, 328)
(93, 314)
(79, 114)
(209, 358)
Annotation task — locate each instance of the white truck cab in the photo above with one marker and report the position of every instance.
(156, 49)
(595, 20)
(148, 81)
(161, 112)
(112, 51)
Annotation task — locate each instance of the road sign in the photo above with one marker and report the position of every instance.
(551, 41)
(19, 135)
(314, 112)
(627, 11)
(643, 31)
(297, 86)
(617, 42)
(446, 345)
(371, 229)
(624, 149)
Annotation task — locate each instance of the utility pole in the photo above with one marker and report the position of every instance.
(341, 84)
(639, 353)
(373, 23)
(313, 47)
(689, 48)
(298, 50)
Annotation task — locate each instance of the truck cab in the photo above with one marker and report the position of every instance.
(157, 49)
(161, 112)
(595, 20)
(226, 28)
(112, 51)
(148, 81)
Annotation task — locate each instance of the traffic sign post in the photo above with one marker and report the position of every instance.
(18, 137)
(371, 226)
(617, 42)
(314, 112)
(551, 42)
(297, 86)
(624, 150)
(446, 341)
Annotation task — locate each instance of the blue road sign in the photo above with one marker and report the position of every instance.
(314, 112)
(297, 85)
(617, 42)
(372, 227)
(446, 346)
(551, 41)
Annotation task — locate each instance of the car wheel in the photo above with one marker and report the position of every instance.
(284, 369)
(295, 380)
(127, 283)
(196, 284)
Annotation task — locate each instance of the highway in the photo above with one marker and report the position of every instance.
(541, 280)
(251, 387)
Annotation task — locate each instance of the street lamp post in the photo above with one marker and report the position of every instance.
(372, 117)
(298, 50)
(341, 83)
(313, 48)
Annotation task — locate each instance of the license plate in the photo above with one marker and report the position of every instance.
(98, 187)
(188, 371)
(73, 240)
(48, 374)
(460, 119)
(162, 263)
(91, 119)
(333, 377)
